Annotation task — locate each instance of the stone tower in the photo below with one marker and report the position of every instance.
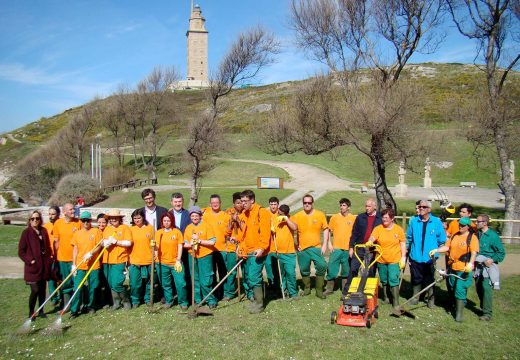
(197, 37)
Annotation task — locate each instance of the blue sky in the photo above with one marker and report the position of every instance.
(58, 54)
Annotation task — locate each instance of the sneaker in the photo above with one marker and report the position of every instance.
(496, 286)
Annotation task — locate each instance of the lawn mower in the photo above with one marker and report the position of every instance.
(359, 306)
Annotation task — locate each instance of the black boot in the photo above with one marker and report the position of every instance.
(416, 290)
(395, 297)
(258, 305)
(431, 298)
(320, 282)
(306, 285)
(329, 288)
(116, 300)
(459, 309)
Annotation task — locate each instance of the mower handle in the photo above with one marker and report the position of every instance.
(379, 251)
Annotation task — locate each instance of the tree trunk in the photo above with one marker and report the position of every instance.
(194, 181)
(383, 194)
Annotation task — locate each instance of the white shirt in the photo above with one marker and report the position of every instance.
(177, 215)
(150, 215)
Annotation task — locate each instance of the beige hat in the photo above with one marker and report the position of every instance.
(114, 213)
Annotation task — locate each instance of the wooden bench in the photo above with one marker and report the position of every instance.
(470, 184)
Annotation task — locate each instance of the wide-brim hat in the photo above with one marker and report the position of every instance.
(114, 213)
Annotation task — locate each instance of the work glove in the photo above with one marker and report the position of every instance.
(369, 243)
(178, 266)
(152, 243)
(87, 256)
(432, 253)
(468, 268)
(107, 243)
(73, 270)
(402, 263)
(113, 240)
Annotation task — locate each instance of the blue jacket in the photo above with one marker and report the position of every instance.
(185, 219)
(435, 236)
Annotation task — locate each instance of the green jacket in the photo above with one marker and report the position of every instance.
(491, 245)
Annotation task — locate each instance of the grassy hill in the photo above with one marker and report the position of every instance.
(248, 107)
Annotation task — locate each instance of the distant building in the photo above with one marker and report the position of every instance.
(197, 53)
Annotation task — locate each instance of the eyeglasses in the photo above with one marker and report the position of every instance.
(35, 219)
(307, 203)
(148, 199)
(422, 207)
(481, 221)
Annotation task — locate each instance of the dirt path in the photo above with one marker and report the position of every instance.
(12, 267)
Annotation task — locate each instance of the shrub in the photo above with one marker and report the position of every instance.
(74, 185)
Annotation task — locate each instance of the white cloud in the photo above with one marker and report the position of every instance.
(26, 75)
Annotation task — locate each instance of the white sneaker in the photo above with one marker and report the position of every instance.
(496, 286)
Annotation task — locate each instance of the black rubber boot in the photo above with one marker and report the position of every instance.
(385, 295)
(459, 309)
(416, 290)
(320, 282)
(306, 285)
(329, 288)
(431, 298)
(127, 305)
(395, 297)
(116, 300)
(258, 306)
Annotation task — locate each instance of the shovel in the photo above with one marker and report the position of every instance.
(199, 309)
(57, 326)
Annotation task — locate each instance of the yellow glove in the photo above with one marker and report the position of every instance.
(402, 264)
(468, 268)
(152, 243)
(273, 230)
(177, 267)
(432, 253)
(369, 243)
(280, 219)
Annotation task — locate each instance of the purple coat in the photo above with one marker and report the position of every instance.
(29, 249)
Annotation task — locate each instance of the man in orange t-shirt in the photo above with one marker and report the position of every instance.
(311, 222)
(340, 225)
(63, 231)
(118, 241)
(54, 214)
(86, 245)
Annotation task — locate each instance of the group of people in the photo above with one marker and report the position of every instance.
(194, 249)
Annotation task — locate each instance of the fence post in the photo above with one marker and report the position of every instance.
(404, 221)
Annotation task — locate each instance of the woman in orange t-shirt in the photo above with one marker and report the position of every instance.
(140, 258)
(392, 240)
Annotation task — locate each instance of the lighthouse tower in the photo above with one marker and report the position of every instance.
(197, 38)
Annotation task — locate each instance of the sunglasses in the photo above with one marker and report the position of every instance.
(423, 207)
(307, 203)
(35, 218)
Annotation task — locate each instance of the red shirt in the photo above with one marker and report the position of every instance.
(370, 225)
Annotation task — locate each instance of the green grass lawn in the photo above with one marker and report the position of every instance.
(286, 330)
(9, 238)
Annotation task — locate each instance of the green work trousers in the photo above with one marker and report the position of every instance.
(288, 269)
(169, 276)
(93, 284)
(115, 275)
(225, 261)
(460, 287)
(485, 295)
(203, 278)
(311, 254)
(139, 283)
(389, 274)
(65, 269)
(253, 274)
(53, 285)
(338, 258)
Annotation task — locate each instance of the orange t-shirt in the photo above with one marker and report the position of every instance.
(63, 232)
(204, 231)
(86, 241)
(341, 227)
(273, 225)
(390, 240)
(310, 227)
(49, 226)
(458, 247)
(236, 232)
(256, 231)
(141, 251)
(284, 239)
(219, 222)
(117, 254)
(168, 245)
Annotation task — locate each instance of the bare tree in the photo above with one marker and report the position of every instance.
(247, 56)
(350, 36)
(494, 25)
(113, 118)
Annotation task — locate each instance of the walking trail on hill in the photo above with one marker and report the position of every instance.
(305, 179)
